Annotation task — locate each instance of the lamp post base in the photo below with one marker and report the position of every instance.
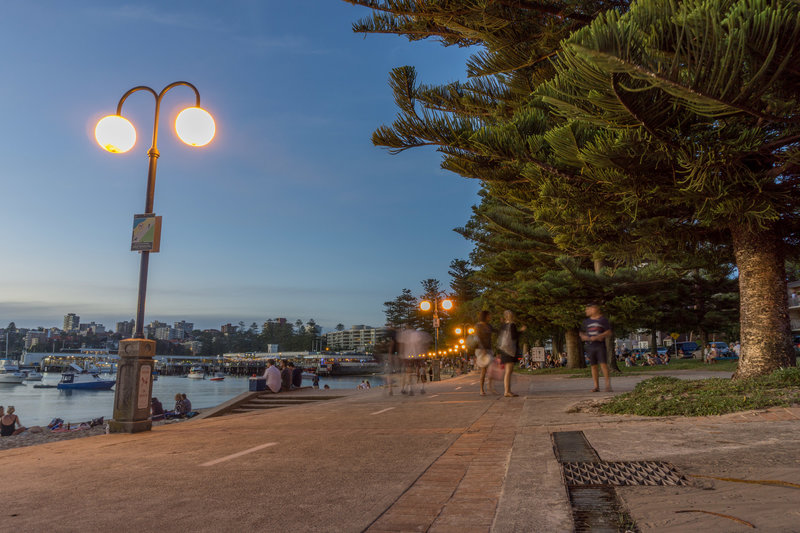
(134, 386)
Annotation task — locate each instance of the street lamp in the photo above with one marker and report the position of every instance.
(114, 133)
(426, 305)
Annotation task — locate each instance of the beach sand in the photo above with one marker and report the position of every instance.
(42, 435)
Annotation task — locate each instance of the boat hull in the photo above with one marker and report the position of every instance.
(11, 378)
(95, 385)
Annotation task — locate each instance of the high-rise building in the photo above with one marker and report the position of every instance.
(165, 333)
(72, 322)
(92, 327)
(125, 329)
(359, 338)
(184, 328)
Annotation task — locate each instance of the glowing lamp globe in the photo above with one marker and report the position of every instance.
(425, 305)
(447, 305)
(458, 331)
(195, 126)
(115, 134)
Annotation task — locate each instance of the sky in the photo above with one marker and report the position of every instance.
(289, 212)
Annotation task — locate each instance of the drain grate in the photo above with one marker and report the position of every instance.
(650, 473)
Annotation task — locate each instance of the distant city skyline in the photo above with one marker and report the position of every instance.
(290, 211)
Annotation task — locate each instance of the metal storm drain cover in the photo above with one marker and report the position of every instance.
(622, 473)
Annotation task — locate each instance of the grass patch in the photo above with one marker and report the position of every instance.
(676, 364)
(668, 396)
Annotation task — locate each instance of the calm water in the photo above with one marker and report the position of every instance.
(37, 407)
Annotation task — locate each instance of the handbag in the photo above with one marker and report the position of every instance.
(483, 358)
(496, 370)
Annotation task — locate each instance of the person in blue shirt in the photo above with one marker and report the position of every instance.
(596, 328)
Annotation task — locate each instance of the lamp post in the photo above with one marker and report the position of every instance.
(116, 134)
(426, 305)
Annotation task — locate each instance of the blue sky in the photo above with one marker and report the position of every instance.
(289, 212)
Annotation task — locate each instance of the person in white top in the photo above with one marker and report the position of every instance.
(273, 376)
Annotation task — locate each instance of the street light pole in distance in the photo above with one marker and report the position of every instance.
(446, 305)
(116, 134)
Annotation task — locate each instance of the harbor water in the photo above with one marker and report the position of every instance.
(38, 406)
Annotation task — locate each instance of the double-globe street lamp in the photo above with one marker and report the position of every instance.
(426, 305)
(195, 127)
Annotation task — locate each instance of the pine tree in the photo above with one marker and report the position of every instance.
(703, 95)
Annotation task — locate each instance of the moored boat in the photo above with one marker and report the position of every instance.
(348, 365)
(218, 376)
(9, 372)
(32, 375)
(79, 379)
(196, 372)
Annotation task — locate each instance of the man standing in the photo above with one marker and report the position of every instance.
(595, 329)
(273, 376)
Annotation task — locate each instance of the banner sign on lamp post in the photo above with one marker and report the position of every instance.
(146, 235)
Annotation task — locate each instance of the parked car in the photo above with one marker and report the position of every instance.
(723, 350)
(688, 348)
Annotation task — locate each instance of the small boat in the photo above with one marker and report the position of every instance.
(32, 375)
(79, 379)
(218, 376)
(9, 372)
(196, 372)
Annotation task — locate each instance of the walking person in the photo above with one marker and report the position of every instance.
(508, 346)
(594, 331)
(483, 352)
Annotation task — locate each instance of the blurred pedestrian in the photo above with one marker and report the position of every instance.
(594, 331)
(508, 348)
(412, 345)
(483, 352)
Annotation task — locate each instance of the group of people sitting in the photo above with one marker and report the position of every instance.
(285, 378)
(648, 359)
(182, 409)
(552, 360)
(364, 385)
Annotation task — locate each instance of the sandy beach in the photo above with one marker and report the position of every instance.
(41, 435)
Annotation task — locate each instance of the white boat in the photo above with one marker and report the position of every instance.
(32, 375)
(79, 379)
(9, 372)
(196, 372)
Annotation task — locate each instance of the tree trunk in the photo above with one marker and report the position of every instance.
(558, 344)
(653, 342)
(575, 357)
(703, 344)
(612, 353)
(763, 313)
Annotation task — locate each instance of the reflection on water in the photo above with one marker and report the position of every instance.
(37, 407)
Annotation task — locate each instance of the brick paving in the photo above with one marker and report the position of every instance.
(459, 492)
(443, 462)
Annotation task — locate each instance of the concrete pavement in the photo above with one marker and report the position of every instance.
(448, 460)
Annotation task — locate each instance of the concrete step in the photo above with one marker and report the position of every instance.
(248, 408)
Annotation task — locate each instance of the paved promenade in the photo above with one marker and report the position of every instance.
(446, 461)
